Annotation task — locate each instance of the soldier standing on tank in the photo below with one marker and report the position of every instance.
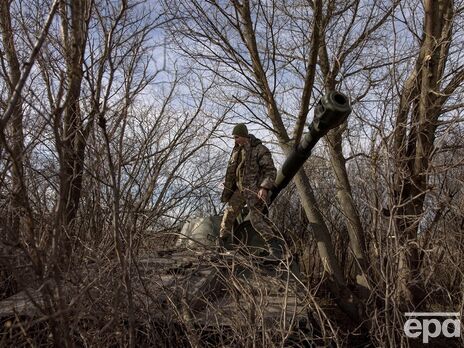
(250, 176)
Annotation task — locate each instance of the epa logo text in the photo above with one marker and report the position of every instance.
(428, 326)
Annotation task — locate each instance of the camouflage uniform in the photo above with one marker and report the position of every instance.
(250, 168)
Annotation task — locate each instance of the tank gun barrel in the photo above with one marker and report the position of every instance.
(331, 111)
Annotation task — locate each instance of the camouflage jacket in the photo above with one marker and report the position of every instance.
(258, 170)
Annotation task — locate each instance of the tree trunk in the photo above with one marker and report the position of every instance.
(344, 195)
(344, 297)
(347, 206)
(421, 102)
(72, 142)
(20, 218)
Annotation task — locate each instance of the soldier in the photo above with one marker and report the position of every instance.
(249, 178)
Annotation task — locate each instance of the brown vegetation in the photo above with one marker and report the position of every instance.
(112, 134)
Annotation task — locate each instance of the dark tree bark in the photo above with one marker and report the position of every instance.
(421, 103)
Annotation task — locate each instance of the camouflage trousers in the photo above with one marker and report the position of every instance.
(259, 221)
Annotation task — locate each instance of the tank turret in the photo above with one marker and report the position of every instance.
(331, 111)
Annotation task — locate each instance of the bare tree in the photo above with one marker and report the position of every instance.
(11, 124)
(108, 141)
(257, 42)
(423, 99)
(97, 70)
(347, 51)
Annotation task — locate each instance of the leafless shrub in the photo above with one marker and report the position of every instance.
(110, 140)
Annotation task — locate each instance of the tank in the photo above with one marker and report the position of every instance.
(184, 289)
(332, 110)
